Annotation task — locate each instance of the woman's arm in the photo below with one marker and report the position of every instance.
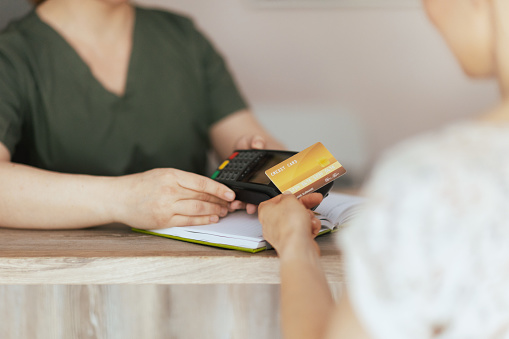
(344, 323)
(306, 302)
(35, 198)
(307, 307)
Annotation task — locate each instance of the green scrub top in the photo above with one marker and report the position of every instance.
(55, 115)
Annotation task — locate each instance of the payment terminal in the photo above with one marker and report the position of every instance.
(244, 173)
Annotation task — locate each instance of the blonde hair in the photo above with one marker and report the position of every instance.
(501, 16)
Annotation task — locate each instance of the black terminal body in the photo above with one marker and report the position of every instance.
(244, 173)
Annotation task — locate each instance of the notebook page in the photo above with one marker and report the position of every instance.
(238, 225)
(335, 210)
(213, 238)
(338, 208)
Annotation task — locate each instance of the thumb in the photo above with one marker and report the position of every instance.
(258, 142)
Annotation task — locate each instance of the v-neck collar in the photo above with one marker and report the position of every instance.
(84, 69)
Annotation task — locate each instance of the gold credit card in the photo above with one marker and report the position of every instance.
(306, 171)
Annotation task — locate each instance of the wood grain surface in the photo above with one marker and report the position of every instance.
(114, 254)
(110, 282)
(139, 311)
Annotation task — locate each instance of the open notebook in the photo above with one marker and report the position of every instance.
(241, 231)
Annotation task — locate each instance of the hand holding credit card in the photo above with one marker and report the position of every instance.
(306, 171)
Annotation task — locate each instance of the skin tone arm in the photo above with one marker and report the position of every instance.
(160, 198)
(240, 130)
(306, 302)
(35, 198)
(307, 307)
(344, 323)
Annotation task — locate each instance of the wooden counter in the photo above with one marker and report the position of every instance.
(114, 254)
(111, 282)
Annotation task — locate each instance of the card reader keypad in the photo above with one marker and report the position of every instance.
(238, 165)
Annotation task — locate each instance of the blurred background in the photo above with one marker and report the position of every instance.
(357, 75)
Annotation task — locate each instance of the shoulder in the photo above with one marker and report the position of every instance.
(434, 204)
(440, 174)
(470, 148)
(15, 39)
(11, 38)
(15, 55)
(18, 28)
(455, 179)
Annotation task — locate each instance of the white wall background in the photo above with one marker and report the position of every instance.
(10, 9)
(357, 79)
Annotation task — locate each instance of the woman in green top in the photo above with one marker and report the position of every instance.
(106, 114)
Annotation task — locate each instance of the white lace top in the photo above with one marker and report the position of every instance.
(429, 257)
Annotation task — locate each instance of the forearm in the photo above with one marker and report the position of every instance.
(39, 199)
(306, 301)
(226, 133)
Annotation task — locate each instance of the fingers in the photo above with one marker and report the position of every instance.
(269, 204)
(239, 205)
(286, 197)
(258, 142)
(192, 195)
(277, 199)
(199, 208)
(200, 183)
(192, 213)
(170, 197)
(251, 209)
(316, 225)
(251, 142)
(311, 200)
(288, 202)
(236, 205)
(186, 220)
(281, 204)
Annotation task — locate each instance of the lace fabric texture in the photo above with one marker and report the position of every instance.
(429, 255)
